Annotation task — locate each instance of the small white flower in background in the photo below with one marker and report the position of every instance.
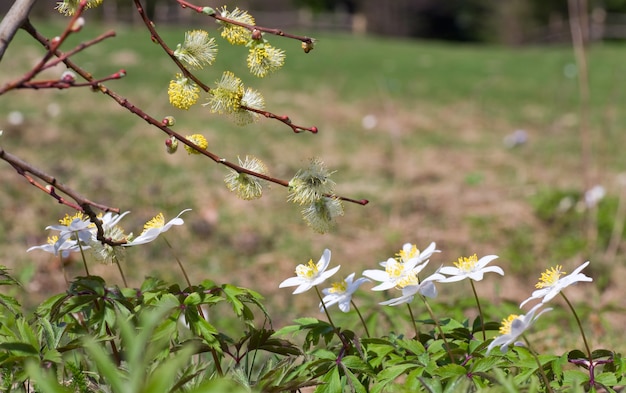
(156, 226)
(408, 263)
(551, 283)
(516, 138)
(15, 118)
(472, 268)
(411, 287)
(594, 195)
(78, 229)
(369, 121)
(310, 275)
(514, 326)
(65, 248)
(341, 292)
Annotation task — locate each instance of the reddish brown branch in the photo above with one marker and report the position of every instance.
(157, 38)
(154, 35)
(284, 119)
(159, 124)
(25, 81)
(66, 83)
(217, 16)
(52, 47)
(23, 168)
(79, 48)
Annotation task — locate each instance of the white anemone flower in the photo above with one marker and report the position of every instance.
(551, 283)
(409, 262)
(341, 292)
(310, 275)
(155, 227)
(79, 230)
(472, 268)
(425, 288)
(65, 249)
(514, 326)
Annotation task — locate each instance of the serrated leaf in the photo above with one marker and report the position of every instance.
(354, 382)
(608, 379)
(485, 364)
(355, 363)
(19, 348)
(331, 382)
(450, 370)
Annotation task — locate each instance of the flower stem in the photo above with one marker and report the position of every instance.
(337, 331)
(361, 318)
(82, 255)
(119, 267)
(180, 264)
(480, 311)
(443, 336)
(580, 326)
(417, 333)
(541, 371)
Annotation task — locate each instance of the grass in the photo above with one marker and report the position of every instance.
(433, 165)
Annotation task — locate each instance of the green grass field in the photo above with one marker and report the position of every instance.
(432, 162)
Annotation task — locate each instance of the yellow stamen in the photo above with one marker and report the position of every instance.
(53, 239)
(157, 222)
(408, 280)
(67, 220)
(338, 287)
(506, 324)
(403, 255)
(550, 277)
(466, 264)
(394, 269)
(307, 271)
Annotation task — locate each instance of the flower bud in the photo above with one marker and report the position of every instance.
(68, 77)
(77, 25)
(171, 145)
(257, 35)
(168, 121)
(307, 46)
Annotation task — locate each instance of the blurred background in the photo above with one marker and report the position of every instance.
(461, 121)
(512, 22)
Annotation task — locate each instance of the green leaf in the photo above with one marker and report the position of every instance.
(412, 346)
(331, 383)
(354, 382)
(608, 379)
(389, 374)
(262, 340)
(574, 377)
(164, 375)
(10, 303)
(20, 348)
(485, 364)
(355, 363)
(45, 380)
(460, 383)
(450, 371)
(193, 299)
(322, 353)
(108, 371)
(52, 355)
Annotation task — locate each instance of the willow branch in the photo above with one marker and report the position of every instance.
(217, 16)
(24, 168)
(157, 38)
(160, 124)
